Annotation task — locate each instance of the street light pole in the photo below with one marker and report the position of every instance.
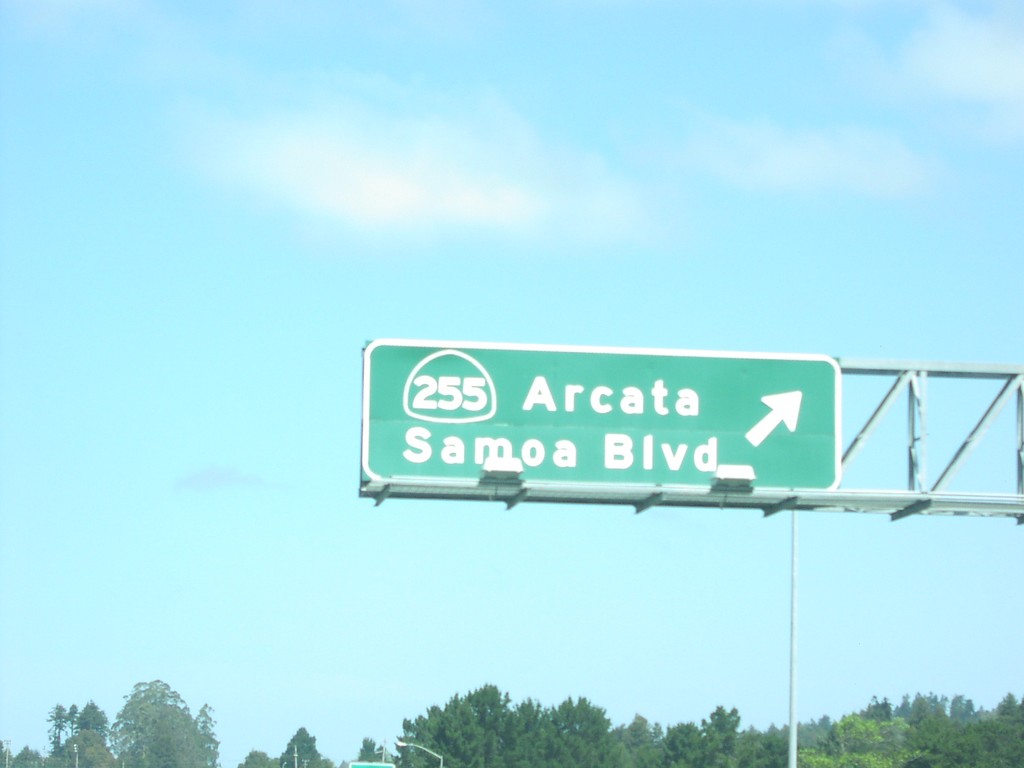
(794, 725)
(401, 744)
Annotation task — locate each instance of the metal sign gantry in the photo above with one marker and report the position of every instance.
(909, 378)
(918, 497)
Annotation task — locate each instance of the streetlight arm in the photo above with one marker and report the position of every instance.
(418, 746)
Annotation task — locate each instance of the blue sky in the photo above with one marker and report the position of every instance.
(206, 210)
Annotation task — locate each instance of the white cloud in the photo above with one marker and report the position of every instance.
(404, 179)
(763, 155)
(65, 15)
(977, 59)
(410, 168)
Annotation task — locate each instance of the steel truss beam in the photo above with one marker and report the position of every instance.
(916, 499)
(912, 376)
(895, 503)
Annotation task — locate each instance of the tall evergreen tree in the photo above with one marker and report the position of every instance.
(58, 720)
(367, 751)
(961, 710)
(92, 718)
(257, 759)
(719, 734)
(211, 746)
(154, 729)
(301, 751)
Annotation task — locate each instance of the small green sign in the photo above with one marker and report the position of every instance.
(451, 410)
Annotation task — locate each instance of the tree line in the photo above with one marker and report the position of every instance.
(486, 729)
(154, 729)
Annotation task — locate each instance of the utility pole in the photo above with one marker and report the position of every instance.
(295, 754)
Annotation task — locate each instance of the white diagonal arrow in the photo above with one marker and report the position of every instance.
(785, 409)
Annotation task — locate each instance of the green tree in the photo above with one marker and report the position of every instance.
(583, 736)
(483, 730)
(1009, 707)
(995, 740)
(155, 729)
(485, 713)
(205, 725)
(257, 759)
(59, 725)
(368, 751)
(1003, 735)
(643, 743)
(27, 758)
(762, 750)
(92, 718)
(527, 733)
(301, 750)
(921, 707)
(962, 710)
(718, 737)
(880, 711)
(860, 742)
(943, 743)
(814, 733)
(91, 749)
(682, 746)
(469, 731)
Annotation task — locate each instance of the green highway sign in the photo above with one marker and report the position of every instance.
(459, 411)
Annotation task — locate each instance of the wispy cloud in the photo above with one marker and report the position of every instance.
(413, 166)
(964, 69)
(214, 478)
(364, 151)
(59, 10)
(764, 155)
(973, 58)
(375, 173)
(81, 20)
